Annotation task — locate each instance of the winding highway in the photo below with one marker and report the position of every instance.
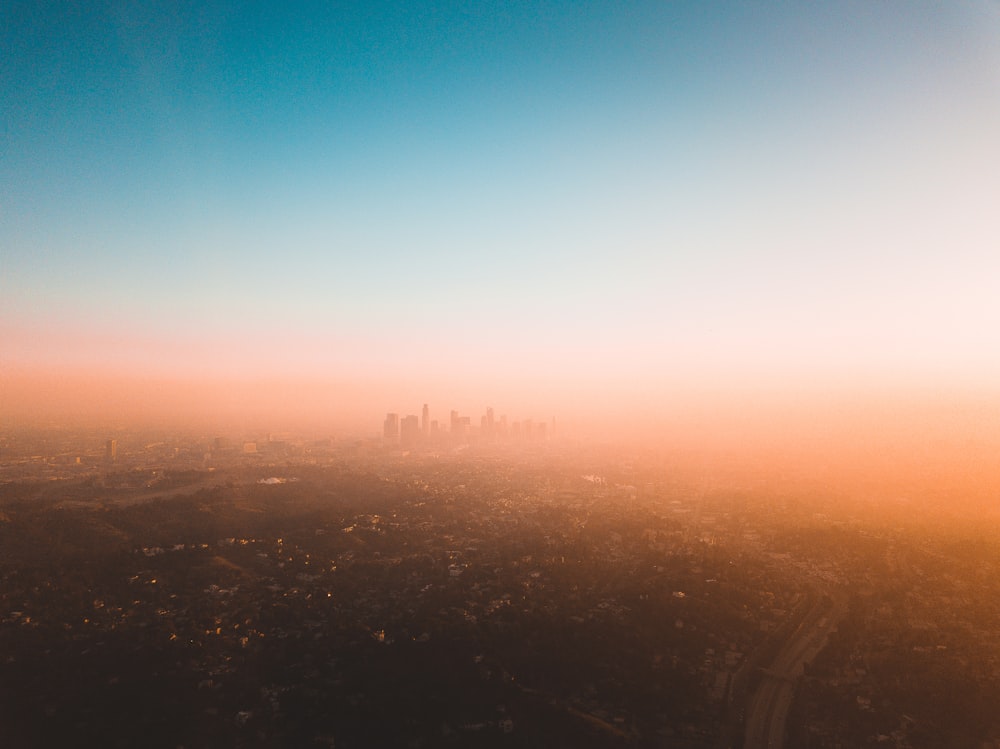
(768, 709)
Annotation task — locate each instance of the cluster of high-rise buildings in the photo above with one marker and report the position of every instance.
(412, 431)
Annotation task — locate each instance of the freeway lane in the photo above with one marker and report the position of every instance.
(768, 711)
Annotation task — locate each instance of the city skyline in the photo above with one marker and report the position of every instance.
(414, 431)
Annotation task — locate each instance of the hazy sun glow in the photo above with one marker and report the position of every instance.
(552, 373)
(584, 213)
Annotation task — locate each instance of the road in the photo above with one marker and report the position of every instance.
(768, 710)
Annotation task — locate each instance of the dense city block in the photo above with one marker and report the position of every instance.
(309, 593)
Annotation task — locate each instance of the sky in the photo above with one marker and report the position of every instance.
(548, 207)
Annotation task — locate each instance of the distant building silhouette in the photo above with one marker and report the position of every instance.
(390, 428)
(111, 451)
(409, 432)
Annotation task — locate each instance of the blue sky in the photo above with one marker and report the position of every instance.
(745, 188)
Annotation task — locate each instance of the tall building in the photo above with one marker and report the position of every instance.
(409, 433)
(111, 451)
(490, 430)
(425, 424)
(390, 428)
